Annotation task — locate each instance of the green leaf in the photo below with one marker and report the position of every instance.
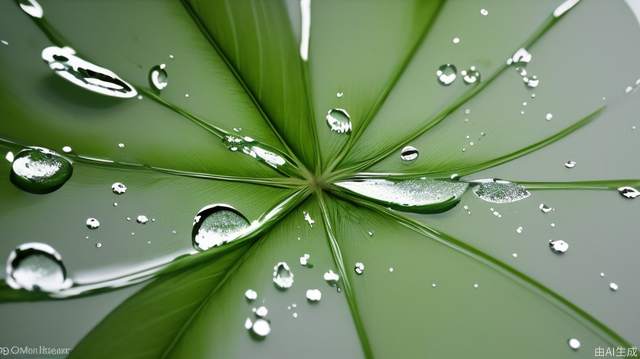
(426, 268)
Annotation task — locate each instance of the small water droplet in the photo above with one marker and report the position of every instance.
(446, 74)
(158, 77)
(282, 275)
(613, 286)
(36, 267)
(142, 219)
(31, 8)
(9, 156)
(92, 223)
(570, 164)
(601, 274)
(548, 116)
(339, 120)
(574, 343)
(121, 145)
(531, 82)
(118, 188)
(359, 268)
(456, 40)
(514, 255)
(331, 277)
(187, 95)
(500, 191)
(484, 12)
(544, 208)
(391, 269)
(628, 89)
(217, 224)
(40, 170)
(262, 311)
(248, 324)
(261, 327)
(409, 153)
(115, 204)
(558, 246)
(370, 233)
(304, 260)
(476, 285)
(308, 219)
(314, 295)
(295, 315)
(628, 192)
(521, 56)
(251, 294)
(339, 94)
(470, 76)
(67, 149)
(98, 245)
(433, 285)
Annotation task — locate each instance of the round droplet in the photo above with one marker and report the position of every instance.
(409, 153)
(39, 170)
(282, 275)
(36, 267)
(98, 245)
(339, 94)
(142, 219)
(248, 324)
(613, 286)
(558, 246)
(261, 327)
(628, 192)
(339, 120)
(570, 164)
(470, 76)
(548, 116)
(484, 12)
(217, 224)
(92, 223)
(314, 295)
(262, 311)
(121, 145)
(500, 191)
(574, 343)
(359, 268)
(251, 294)
(67, 149)
(331, 277)
(544, 208)
(446, 74)
(158, 77)
(519, 230)
(31, 8)
(456, 40)
(118, 188)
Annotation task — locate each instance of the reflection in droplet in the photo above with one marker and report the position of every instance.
(118, 188)
(422, 195)
(282, 275)
(521, 56)
(31, 8)
(544, 208)
(92, 223)
(314, 295)
(470, 76)
(158, 77)
(409, 153)
(339, 120)
(628, 192)
(570, 164)
(217, 224)
(446, 74)
(251, 294)
(558, 246)
(574, 343)
(331, 277)
(36, 267)
(39, 170)
(359, 268)
(64, 62)
(500, 191)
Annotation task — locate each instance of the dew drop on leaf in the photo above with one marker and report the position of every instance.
(304, 260)
(544, 208)
(484, 12)
(564, 7)
(282, 275)
(67, 149)
(500, 191)
(359, 268)
(36, 267)
(40, 170)
(142, 219)
(118, 188)
(574, 343)
(548, 116)
(558, 246)
(570, 164)
(531, 82)
(339, 120)
(446, 74)
(331, 277)
(261, 327)
(248, 324)
(314, 295)
(158, 77)
(628, 192)
(9, 157)
(262, 311)
(613, 286)
(217, 224)
(31, 8)
(409, 153)
(251, 294)
(521, 56)
(470, 76)
(92, 223)
(308, 219)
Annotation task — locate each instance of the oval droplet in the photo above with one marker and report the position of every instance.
(500, 191)
(158, 77)
(613, 286)
(331, 277)
(628, 192)
(574, 343)
(544, 208)
(118, 188)
(217, 224)
(282, 275)
(36, 267)
(314, 295)
(339, 120)
(570, 164)
(446, 74)
(31, 8)
(251, 295)
(409, 153)
(359, 268)
(40, 170)
(470, 76)
(558, 246)
(92, 223)
(64, 62)
(262, 311)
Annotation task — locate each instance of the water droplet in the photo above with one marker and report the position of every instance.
(121, 145)
(433, 285)
(500, 191)
(339, 94)
(545, 209)
(295, 315)
(248, 324)
(314, 295)
(531, 82)
(476, 285)
(391, 269)
(98, 245)
(339, 120)
(9, 156)
(422, 195)
(158, 77)
(470, 76)
(570, 164)
(613, 286)
(601, 274)
(261, 327)
(521, 56)
(548, 116)
(370, 233)
(251, 294)
(282, 275)
(331, 277)
(31, 8)
(142, 219)
(4, 42)
(304, 260)
(514, 255)
(36, 267)
(628, 192)
(92, 223)
(574, 343)
(64, 62)
(519, 230)
(263, 153)
(67, 149)
(305, 26)
(456, 40)
(217, 224)
(262, 311)
(446, 74)
(409, 153)
(558, 246)
(118, 188)
(562, 9)
(359, 268)
(308, 219)
(484, 12)
(40, 170)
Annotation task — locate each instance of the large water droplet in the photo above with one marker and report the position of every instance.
(158, 77)
(261, 327)
(339, 120)
(31, 8)
(282, 275)
(261, 152)
(500, 191)
(628, 192)
(446, 74)
(558, 246)
(36, 267)
(470, 76)
(409, 153)
(521, 56)
(417, 195)
(39, 170)
(314, 295)
(64, 62)
(217, 224)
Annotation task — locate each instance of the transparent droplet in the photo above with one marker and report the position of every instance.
(261, 327)
(531, 82)
(282, 275)
(142, 219)
(98, 245)
(548, 116)
(331, 277)
(544, 208)
(158, 77)
(31, 8)
(521, 56)
(217, 224)
(4, 42)
(476, 285)
(304, 260)
(500, 191)
(484, 12)
(36, 267)
(359, 268)
(613, 286)
(67, 149)
(118, 188)
(574, 343)
(121, 145)
(570, 164)
(263, 153)
(40, 170)
(314, 295)
(409, 153)
(339, 120)
(64, 62)
(446, 74)
(470, 76)
(558, 246)
(391, 269)
(262, 311)
(92, 223)
(308, 219)
(628, 192)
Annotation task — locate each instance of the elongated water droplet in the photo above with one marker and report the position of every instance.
(359, 268)
(261, 327)
(574, 343)
(409, 153)
(339, 120)
(613, 286)
(248, 324)
(470, 76)
(282, 275)
(558, 246)
(142, 219)
(92, 223)
(500, 191)
(36, 267)
(305, 26)
(118, 188)
(456, 40)
(446, 74)
(419, 195)
(251, 295)
(331, 277)
(40, 170)
(564, 7)
(570, 164)
(217, 224)
(314, 295)
(261, 152)
(64, 62)
(31, 8)
(521, 56)
(628, 192)
(158, 77)
(484, 12)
